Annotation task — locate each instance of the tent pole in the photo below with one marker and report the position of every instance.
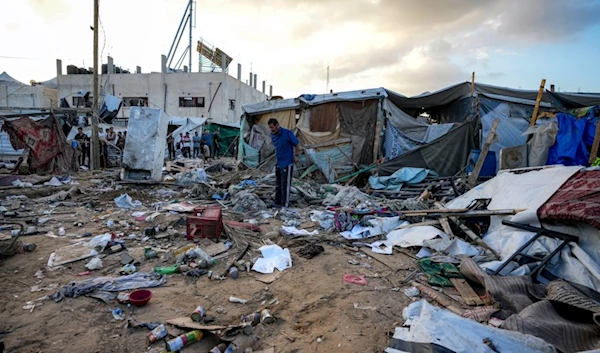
(538, 100)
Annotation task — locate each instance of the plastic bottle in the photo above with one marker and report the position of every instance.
(183, 340)
(219, 349)
(167, 270)
(233, 273)
(204, 256)
(231, 348)
(158, 333)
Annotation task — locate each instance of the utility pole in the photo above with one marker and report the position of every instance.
(190, 21)
(95, 147)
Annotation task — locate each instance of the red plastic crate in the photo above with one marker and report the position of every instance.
(207, 222)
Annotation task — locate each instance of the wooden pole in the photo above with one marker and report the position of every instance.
(484, 151)
(594, 151)
(538, 100)
(472, 83)
(95, 148)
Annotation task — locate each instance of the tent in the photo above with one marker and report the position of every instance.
(228, 134)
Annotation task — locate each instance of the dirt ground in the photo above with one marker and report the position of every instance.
(316, 312)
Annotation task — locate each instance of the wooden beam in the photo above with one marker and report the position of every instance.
(329, 143)
(473, 84)
(538, 100)
(466, 292)
(484, 151)
(594, 151)
(376, 142)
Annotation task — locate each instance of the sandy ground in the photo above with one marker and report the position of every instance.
(314, 301)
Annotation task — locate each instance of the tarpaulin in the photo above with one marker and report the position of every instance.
(227, 135)
(332, 162)
(324, 118)
(575, 137)
(308, 137)
(577, 200)
(399, 178)
(358, 120)
(446, 155)
(110, 108)
(285, 118)
(49, 151)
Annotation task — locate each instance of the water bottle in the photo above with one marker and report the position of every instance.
(233, 273)
(201, 254)
(167, 270)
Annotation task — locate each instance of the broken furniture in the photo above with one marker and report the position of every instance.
(566, 238)
(207, 220)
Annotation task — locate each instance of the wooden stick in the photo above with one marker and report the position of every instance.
(538, 100)
(484, 151)
(594, 151)
(472, 83)
(441, 298)
(345, 155)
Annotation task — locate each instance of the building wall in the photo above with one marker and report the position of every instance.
(27, 97)
(164, 90)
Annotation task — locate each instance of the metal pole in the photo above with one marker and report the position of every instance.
(190, 23)
(95, 147)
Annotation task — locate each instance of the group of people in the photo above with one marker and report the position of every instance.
(205, 146)
(105, 138)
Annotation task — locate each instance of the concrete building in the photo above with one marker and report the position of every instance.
(215, 95)
(17, 96)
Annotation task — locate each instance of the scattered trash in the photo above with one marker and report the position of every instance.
(157, 333)
(149, 253)
(117, 314)
(237, 300)
(353, 279)
(357, 306)
(39, 274)
(411, 292)
(94, 264)
(310, 251)
(266, 317)
(274, 257)
(293, 231)
(127, 269)
(198, 313)
(62, 232)
(177, 343)
(125, 201)
(233, 272)
(123, 298)
(29, 247)
(140, 297)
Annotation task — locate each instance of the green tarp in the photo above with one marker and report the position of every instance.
(227, 135)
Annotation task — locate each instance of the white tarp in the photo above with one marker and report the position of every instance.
(578, 263)
(406, 238)
(431, 324)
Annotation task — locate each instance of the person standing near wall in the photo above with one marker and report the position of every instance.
(83, 140)
(197, 140)
(287, 150)
(171, 146)
(216, 146)
(186, 142)
(207, 139)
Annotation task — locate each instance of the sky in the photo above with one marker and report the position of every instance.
(408, 46)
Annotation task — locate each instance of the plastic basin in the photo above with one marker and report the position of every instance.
(140, 297)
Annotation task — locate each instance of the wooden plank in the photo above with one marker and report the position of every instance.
(446, 226)
(466, 292)
(329, 143)
(594, 152)
(435, 210)
(484, 151)
(376, 142)
(538, 100)
(472, 83)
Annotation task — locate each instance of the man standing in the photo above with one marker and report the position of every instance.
(83, 140)
(186, 142)
(196, 139)
(171, 146)
(287, 149)
(216, 146)
(207, 139)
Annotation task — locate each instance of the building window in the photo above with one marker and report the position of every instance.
(135, 101)
(79, 102)
(191, 102)
(232, 104)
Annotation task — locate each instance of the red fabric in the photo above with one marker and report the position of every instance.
(45, 141)
(577, 200)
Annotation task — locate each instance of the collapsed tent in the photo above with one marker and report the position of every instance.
(228, 134)
(47, 148)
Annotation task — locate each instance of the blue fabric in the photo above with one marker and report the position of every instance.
(207, 139)
(332, 161)
(250, 155)
(247, 182)
(284, 143)
(575, 136)
(197, 140)
(74, 144)
(395, 181)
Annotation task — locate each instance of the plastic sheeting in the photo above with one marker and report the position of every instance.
(332, 162)
(543, 138)
(577, 263)
(509, 132)
(285, 118)
(575, 137)
(428, 324)
(308, 137)
(395, 181)
(110, 108)
(271, 106)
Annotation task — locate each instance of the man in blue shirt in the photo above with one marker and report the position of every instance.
(287, 149)
(196, 140)
(207, 139)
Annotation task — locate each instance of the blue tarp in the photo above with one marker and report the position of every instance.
(575, 136)
(332, 162)
(402, 176)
